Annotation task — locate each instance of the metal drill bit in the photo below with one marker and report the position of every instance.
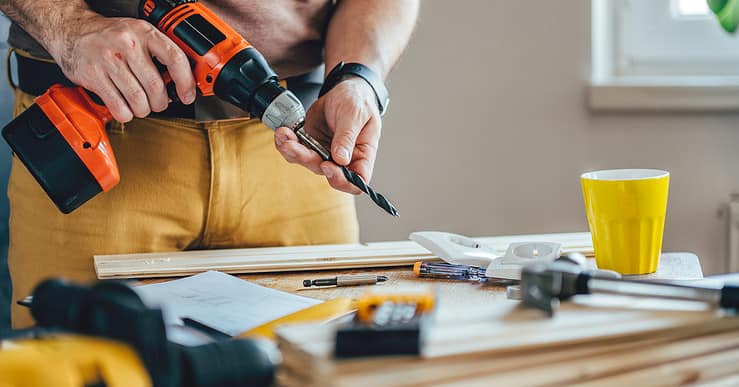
(376, 197)
(352, 176)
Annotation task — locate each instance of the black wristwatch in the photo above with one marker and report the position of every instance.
(343, 70)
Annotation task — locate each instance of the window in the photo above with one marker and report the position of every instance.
(662, 55)
(688, 8)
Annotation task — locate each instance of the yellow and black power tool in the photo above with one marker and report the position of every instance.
(104, 335)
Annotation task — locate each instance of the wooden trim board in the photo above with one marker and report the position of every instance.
(300, 258)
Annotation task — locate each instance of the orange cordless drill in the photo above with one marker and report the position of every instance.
(61, 139)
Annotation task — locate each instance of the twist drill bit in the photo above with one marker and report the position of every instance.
(376, 197)
(352, 176)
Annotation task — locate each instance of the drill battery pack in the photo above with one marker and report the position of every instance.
(62, 142)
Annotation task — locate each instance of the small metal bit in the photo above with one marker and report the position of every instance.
(376, 197)
(347, 280)
(312, 142)
(352, 176)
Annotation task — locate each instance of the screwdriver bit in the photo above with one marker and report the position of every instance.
(352, 176)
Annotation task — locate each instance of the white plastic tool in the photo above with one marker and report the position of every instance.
(461, 250)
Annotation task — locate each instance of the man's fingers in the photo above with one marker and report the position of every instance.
(177, 65)
(336, 178)
(294, 152)
(366, 149)
(131, 90)
(148, 76)
(283, 134)
(347, 125)
(112, 100)
(363, 167)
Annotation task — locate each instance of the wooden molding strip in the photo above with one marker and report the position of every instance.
(299, 258)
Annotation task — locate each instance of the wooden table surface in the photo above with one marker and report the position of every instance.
(446, 290)
(672, 266)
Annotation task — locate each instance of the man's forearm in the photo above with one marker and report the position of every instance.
(47, 21)
(373, 33)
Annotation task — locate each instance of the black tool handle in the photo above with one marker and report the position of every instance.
(729, 297)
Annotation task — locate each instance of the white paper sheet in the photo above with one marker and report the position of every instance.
(221, 301)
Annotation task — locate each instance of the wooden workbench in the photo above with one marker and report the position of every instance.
(672, 266)
(480, 296)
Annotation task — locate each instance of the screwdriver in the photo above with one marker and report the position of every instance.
(443, 270)
(352, 176)
(449, 271)
(347, 280)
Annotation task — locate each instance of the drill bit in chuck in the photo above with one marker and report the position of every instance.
(352, 176)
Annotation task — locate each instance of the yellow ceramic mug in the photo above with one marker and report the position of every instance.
(626, 213)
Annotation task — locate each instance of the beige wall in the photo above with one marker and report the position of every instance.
(488, 131)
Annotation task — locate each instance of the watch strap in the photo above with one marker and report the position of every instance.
(342, 70)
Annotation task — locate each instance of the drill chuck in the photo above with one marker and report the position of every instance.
(284, 110)
(248, 82)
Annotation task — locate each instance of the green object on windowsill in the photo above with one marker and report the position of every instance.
(727, 12)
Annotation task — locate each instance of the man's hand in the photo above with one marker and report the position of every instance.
(347, 120)
(112, 57)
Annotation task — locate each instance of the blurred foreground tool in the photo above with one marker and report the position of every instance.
(107, 336)
(544, 285)
(386, 324)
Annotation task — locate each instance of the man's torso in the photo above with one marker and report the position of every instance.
(289, 33)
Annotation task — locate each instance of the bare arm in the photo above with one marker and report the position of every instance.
(108, 56)
(47, 21)
(373, 33)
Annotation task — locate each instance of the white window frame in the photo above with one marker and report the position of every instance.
(623, 82)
